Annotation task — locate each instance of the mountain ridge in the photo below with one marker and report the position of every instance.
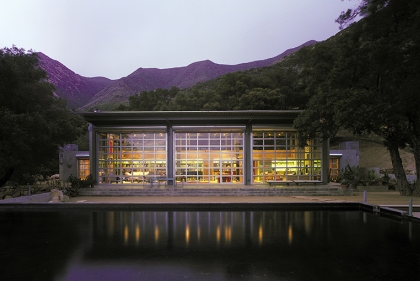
(84, 93)
(74, 88)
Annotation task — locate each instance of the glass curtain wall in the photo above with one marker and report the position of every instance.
(209, 157)
(277, 156)
(131, 158)
(206, 157)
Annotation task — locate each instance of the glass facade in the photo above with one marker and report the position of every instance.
(209, 157)
(206, 157)
(277, 156)
(131, 158)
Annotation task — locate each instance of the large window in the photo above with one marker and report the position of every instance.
(277, 156)
(206, 157)
(209, 157)
(131, 158)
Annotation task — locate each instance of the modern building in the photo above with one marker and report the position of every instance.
(73, 162)
(201, 147)
(346, 154)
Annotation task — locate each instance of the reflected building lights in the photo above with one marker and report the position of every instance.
(268, 250)
(290, 234)
(217, 231)
(219, 228)
(156, 234)
(218, 235)
(187, 234)
(198, 226)
(228, 234)
(125, 234)
(137, 233)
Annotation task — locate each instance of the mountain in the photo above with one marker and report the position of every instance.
(76, 89)
(86, 93)
(147, 79)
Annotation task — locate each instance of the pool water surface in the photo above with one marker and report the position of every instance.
(207, 245)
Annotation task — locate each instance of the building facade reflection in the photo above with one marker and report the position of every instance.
(190, 229)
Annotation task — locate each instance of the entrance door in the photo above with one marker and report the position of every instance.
(334, 168)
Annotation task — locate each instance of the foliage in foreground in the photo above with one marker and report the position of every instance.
(77, 183)
(372, 84)
(33, 122)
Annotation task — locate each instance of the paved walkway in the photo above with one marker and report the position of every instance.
(376, 198)
(389, 199)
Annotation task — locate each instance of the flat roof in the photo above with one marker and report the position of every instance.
(100, 118)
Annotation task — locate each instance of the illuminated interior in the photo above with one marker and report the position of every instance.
(334, 168)
(277, 156)
(206, 157)
(209, 157)
(83, 168)
(131, 158)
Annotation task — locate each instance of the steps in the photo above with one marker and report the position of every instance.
(212, 191)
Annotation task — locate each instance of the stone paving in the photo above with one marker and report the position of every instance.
(377, 198)
(388, 199)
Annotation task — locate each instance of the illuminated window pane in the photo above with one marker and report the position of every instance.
(131, 158)
(277, 156)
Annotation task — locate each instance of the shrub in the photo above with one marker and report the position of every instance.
(77, 183)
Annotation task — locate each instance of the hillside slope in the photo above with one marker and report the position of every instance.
(147, 79)
(75, 89)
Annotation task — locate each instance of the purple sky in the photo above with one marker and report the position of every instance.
(113, 38)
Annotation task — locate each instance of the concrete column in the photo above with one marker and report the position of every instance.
(93, 153)
(248, 155)
(170, 153)
(325, 160)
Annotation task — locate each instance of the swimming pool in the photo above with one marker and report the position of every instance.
(207, 243)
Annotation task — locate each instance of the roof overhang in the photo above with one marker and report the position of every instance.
(82, 154)
(185, 118)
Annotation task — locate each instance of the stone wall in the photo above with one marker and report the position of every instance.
(13, 191)
(37, 198)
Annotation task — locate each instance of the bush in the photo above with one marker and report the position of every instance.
(77, 183)
(351, 175)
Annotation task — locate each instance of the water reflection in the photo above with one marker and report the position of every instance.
(175, 245)
(290, 234)
(137, 234)
(224, 229)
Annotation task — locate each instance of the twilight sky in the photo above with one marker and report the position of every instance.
(113, 38)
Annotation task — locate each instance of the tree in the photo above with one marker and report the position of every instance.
(388, 50)
(365, 8)
(318, 118)
(33, 122)
(373, 80)
(154, 100)
(261, 99)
